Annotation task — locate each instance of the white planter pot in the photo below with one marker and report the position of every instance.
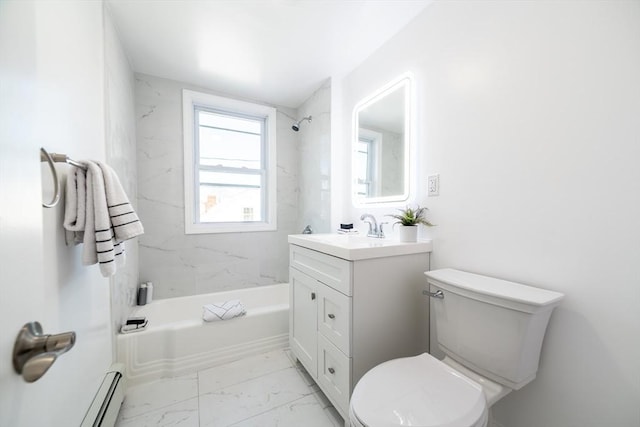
(408, 233)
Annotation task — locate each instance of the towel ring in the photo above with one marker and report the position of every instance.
(44, 155)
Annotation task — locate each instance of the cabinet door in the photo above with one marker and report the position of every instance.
(303, 319)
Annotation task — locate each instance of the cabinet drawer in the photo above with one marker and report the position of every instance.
(331, 271)
(334, 374)
(334, 317)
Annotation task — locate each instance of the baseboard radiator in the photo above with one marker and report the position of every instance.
(104, 409)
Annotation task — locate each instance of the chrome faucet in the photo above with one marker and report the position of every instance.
(374, 229)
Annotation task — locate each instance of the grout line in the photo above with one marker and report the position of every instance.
(153, 409)
(147, 413)
(273, 409)
(310, 390)
(244, 381)
(240, 360)
(198, 389)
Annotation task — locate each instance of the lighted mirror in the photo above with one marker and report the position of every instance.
(381, 145)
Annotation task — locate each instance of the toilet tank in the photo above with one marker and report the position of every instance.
(491, 326)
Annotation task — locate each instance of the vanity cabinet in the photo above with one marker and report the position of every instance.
(351, 310)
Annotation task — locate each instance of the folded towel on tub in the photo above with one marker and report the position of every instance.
(222, 310)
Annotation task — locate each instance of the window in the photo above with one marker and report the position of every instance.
(364, 157)
(230, 165)
(367, 158)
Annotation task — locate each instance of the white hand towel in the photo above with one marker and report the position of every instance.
(222, 310)
(125, 221)
(89, 255)
(75, 203)
(99, 214)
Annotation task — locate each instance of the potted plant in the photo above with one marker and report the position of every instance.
(409, 218)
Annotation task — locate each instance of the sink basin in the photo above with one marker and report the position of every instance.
(357, 247)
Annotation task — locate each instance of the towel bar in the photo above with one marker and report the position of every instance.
(61, 158)
(58, 158)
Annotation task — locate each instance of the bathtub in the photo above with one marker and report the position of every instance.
(177, 341)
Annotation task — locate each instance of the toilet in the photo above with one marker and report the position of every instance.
(491, 333)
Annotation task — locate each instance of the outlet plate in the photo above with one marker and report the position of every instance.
(433, 185)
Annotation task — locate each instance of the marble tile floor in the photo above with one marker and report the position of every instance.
(265, 390)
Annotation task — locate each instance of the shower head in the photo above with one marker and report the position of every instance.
(296, 125)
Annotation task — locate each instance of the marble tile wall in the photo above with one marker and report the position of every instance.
(315, 161)
(180, 264)
(120, 135)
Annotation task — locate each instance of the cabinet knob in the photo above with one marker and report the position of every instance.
(331, 371)
(331, 316)
(313, 295)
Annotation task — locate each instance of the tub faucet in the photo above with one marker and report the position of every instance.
(374, 229)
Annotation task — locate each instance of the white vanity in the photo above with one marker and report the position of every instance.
(355, 302)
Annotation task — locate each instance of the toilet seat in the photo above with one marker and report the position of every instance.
(417, 391)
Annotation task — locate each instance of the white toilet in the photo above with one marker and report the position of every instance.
(491, 332)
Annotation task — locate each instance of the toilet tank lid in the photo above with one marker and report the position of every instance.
(495, 287)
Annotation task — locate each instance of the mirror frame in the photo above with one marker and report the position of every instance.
(403, 82)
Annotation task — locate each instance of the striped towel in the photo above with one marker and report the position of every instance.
(125, 222)
(99, 214)
(223, 310)
(100, 245)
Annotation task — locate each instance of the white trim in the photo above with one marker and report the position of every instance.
(190, 99)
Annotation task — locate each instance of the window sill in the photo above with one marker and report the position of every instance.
(229, 227)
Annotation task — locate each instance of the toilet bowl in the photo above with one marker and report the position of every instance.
(491, 332)
(417, 391)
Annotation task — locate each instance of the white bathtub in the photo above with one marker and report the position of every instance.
(177, 341)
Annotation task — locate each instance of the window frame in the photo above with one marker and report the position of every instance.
(192, 100)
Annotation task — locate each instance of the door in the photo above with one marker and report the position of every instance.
(21, 298)
(44, 101)
(303, 326)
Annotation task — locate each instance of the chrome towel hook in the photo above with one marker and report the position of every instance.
(45, 156)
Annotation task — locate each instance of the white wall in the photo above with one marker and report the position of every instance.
(529, 112)
(120, 135)
(180, 264)
(314, 148)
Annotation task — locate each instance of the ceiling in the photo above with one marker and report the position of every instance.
(273, 51)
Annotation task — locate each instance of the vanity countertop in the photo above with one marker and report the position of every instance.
(357, 247)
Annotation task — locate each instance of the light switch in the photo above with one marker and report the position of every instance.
(433, 185)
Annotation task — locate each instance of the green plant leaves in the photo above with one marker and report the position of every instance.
(410, 216)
